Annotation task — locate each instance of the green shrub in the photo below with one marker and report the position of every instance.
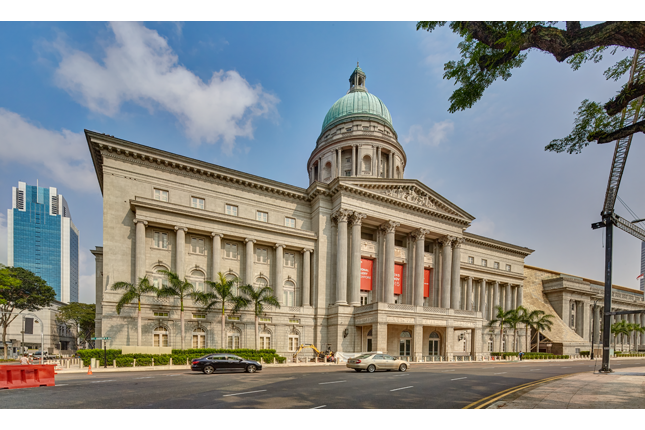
(585, 353)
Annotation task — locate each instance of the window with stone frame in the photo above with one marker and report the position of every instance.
(348, 173)
(159, 280)
(230, 250)
(495, 265)
(484, 263)
(572, 322)
(160, 337)
(233, 341)
(161, 195)
(262, 216)
(289, 293)
(261, 255)
(197, 245)
(265, 340)
(160, 240)
(199, 338)
(197, 279)
(196, 202)
(293, 343)
(471, 260)
(289, 222)
(231, 210)
(508, 267)
(290, 259)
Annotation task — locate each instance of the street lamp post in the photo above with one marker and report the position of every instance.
(593, 328)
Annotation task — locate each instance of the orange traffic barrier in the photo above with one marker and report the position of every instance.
(89, 370)
(27, 376)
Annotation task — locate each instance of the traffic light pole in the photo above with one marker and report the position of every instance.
(606, 327)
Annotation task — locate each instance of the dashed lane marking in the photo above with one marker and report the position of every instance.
(246, 392)
(106, 380)
(402, 388)
(457, 379)
(319, 407)
(145, 377)
(534, 369)
(500, 373)
(447, 370)
(331, 382)
(60, 385)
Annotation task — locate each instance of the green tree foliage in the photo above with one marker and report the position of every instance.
(79, 318)
(258, 298)
(131, 293)
(490, 50)
(21, 290)
(501, 319)
(180, 289)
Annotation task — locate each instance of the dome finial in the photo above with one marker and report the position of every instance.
(357, 80)
(357, 64)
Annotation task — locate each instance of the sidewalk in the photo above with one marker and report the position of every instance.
(623, 389)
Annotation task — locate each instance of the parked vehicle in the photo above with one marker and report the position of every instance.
(373, 362)
(46, 356)
(212, 362)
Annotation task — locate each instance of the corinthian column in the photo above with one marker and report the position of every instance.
(180, 252)
(495, 299)
(419, 237)
(340, 217)
(469, 294)
(140, 249)
(482, 299)
(455, 296)
(356, 220)
(306, 276)
(508, 298)
(278, 283)
(389, 228)
(446, 263)
(248, 258)
(217, 255)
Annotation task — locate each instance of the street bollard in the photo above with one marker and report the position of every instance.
(114, 363)
(273, 360)
(153, 362)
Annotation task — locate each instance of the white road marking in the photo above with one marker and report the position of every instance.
(172, 374)
(566, 368)
(447, 370)
(332, 382)
(457, 379)
(246, 392)
(145, 377)
(60, 385)
(500, 373)
(318, 407)
(534, 369)
(402, 388)
(107, 380)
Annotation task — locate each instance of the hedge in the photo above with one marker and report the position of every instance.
(530, 355)
(178, 356)
(629, 355)
(585, 353)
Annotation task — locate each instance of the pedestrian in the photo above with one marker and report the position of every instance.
(521, 355)
(24, 359)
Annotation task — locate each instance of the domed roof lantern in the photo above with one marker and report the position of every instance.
(357, 80)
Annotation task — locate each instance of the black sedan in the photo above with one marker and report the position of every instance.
(209, 363)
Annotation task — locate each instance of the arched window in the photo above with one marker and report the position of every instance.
(289, 293)
(382, 174)
(159, 280)
(265, 339)
(197, 279)
(405, 343)
(160, 337)
(232, 277)
(327, 171)
(491, 341)
(367, 165)
(199, 338)
(433, 345)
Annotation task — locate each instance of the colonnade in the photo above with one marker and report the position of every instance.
(140, 267)
(316, 169)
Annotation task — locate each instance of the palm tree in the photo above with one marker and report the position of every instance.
(517, 317)
(502, 318)
(176, 288)
(132, 293)
(540, 321)
(528, 319)
(221, 294)
(258, 298)
(620, 328)
(638, 328)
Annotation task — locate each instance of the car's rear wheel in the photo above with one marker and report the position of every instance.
(208, 370)
(251, 368)
(403, 368)
(358, 370)
(371, 368)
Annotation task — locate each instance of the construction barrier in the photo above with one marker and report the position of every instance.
(27, 376)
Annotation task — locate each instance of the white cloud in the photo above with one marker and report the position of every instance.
(62, 156)
(437, 134)
(3, 238)
(141, 68)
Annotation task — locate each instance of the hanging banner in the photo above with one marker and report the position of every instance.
(426, 282)
(398, 279)
(366, 274)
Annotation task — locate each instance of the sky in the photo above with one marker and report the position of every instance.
(252, 96)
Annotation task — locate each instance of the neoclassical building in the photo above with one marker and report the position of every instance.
(362, 259)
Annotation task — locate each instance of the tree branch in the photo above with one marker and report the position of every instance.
(629, 93)
(604, 137)
(563, 43)
(573, 26)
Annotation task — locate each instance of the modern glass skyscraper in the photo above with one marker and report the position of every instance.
(42, 238)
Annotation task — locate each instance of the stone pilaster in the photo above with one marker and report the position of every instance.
(378, 161)
(520, 295)
(419, 241)
(140, 249)
(417, 343)
(389, 228)
(306, 277)
(379, 337)
(248, 260)
(455, 287)
(450, 342)
(469, 293)
(340, 217)
(216, 255)
(446, 268)
(508, 305)
(483, 294)
(495, 300)
(356, 220)
(278, 281)
(180, 252)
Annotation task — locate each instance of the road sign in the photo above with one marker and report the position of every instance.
(100, 338)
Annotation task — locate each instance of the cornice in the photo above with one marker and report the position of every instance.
(496, 244)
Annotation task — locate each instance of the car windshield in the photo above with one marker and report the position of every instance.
(364, 356)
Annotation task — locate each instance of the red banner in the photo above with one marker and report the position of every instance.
(366, 274)
(426, 282)
(398, 279)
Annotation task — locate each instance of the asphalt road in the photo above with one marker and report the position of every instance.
(423, 386)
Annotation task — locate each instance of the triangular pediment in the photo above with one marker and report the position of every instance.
(411, 192)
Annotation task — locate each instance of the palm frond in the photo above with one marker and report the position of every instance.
(126, 299)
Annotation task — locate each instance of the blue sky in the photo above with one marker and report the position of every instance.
(252, 96)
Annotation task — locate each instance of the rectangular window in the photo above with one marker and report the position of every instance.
(367, 236)
(398, 242)
(231, 318)
(231, 250)
(265, 342)
(262, 216)
(348, 173)
(196, 245)
(289, 222)
(484, 262)
(231, 210)
(161, 195)
(161, 314)
(293, 343)
(233, 341)
(293, 321)
(364, 299)
(348, 160)
(289, 259)
(289, 297)
(262, 255)
(508, 267)
(471, 260)
(265, 320)
(496, 265)
(161, 240)
(199, 316)
(196, 202)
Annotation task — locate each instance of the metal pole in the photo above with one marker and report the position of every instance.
(606, 327)
(104, 351)
(593, 329)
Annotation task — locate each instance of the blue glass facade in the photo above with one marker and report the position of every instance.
(73, 266)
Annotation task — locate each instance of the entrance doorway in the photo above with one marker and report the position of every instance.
(433, 345)
(405, 343)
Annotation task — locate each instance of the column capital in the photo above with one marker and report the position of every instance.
(247, 240)
(307, 250)
(356, 218)
(181, 228)
(341, 215)
(484, 280)
(446, 240)
(279, 245)
(217, 234)
(136, 220)
(419, 234)
(389, 226)
(458, 242)
(470, 278)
